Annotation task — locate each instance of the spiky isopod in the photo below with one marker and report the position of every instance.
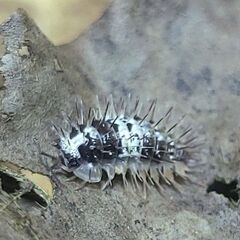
(117, 140)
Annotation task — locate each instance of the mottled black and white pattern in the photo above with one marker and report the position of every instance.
(118, 140)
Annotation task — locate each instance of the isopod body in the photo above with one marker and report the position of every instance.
(117, 140)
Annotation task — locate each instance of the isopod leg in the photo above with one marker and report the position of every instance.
(82, 184)
(125, 182)
(155, 177)
(134, 181)
(110, 174)
(143, 176)
(108, 182)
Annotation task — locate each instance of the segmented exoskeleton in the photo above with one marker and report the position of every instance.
(118, 140)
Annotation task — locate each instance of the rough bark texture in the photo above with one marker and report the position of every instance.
(184, 53)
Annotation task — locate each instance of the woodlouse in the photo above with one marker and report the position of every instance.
(117, 140)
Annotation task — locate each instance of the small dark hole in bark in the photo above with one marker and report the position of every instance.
(229, 190)
(9, 184)
(34, 197)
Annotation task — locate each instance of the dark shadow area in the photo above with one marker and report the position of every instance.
(32, 196)
(229, 190)
(10, 185)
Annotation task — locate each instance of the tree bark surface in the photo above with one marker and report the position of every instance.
(184, 54)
